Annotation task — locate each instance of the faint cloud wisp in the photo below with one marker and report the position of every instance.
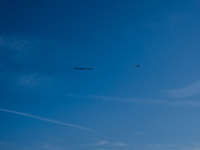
(148, 101)
(44, 119)
(186, 91)
(106, 143)
(120, 144)
(13, 42)
(34, 80)
(100, 143)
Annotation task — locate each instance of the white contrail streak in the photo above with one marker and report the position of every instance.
(44, 119)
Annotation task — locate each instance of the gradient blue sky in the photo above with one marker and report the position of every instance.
(45, 105)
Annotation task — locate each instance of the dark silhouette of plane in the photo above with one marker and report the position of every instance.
(82, 68)
(137, 65)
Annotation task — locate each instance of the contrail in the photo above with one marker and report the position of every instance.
(44, 119)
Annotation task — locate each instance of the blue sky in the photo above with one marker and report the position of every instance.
(46, 105)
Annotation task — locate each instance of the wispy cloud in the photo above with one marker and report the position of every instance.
(186, 91)
(154, 145)
(100, 143)
(119, 144)
(182, 146)
(148, 101)
(44, 119)
(104, 143)
(36, 52)
(33, 80)
(13, 42)
(145, 101)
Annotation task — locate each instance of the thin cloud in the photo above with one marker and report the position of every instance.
(186, 91)
(182, 146)
(148, 101)
(100, 143)
(107, 144)
(145, 101)
(14, 43)
(119, 144)
(34, 80)
(44, 119)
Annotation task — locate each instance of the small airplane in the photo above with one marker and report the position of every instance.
(82, 68)
(137, 65)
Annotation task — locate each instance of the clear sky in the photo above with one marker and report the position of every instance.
(46, 105)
